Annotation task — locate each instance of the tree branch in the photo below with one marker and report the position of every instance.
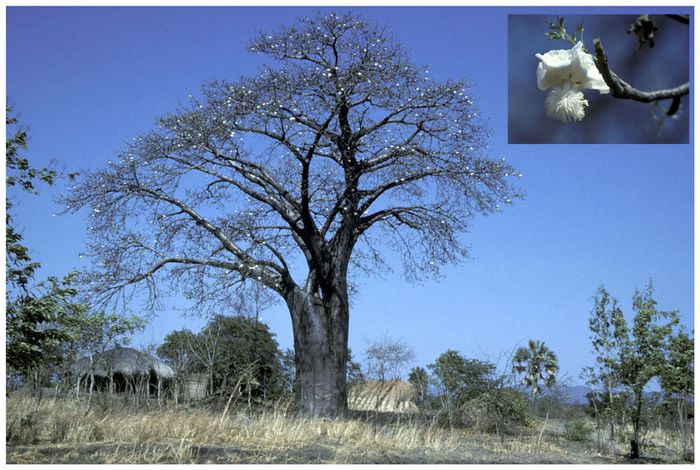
(623, 90)
(685, 19)
(249, 265)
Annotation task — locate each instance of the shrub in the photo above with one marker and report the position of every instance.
(577, 430)
(501, 410)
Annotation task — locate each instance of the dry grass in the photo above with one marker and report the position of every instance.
(659, 445)
(179, 434)
(64, 431)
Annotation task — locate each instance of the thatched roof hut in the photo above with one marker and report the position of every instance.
(391, 396)
(127, 362)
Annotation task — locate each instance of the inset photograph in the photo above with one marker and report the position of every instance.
(599, 79)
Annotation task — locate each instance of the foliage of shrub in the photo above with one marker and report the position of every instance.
(500, 410)
(577, 430)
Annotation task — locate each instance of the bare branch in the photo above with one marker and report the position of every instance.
(623, 90)
(685, 19)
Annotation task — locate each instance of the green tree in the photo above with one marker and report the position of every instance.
(418, 377)
(31, 325)
(460, 379)
(40, 323)
(176, 351)
(341, 148)
(538, 366)
(40, 317)
(605, 320)
(18, 264)
(248, 354)
(677, 380)
(506, 408)
(643, 354)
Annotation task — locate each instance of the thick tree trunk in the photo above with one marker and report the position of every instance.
(320, 350)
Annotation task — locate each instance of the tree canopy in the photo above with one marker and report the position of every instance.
(538, 366)
(342, 133)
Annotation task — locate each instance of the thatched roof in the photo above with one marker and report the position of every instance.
(391, 396)
(125, 361)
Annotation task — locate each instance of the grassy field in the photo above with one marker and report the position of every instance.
(65, 431)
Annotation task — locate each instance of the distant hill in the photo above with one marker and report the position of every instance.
(577, 394)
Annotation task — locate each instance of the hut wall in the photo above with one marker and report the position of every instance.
(196, 387)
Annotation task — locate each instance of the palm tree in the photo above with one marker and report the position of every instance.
(538, 364)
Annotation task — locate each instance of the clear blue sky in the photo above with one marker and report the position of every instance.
(87, 80)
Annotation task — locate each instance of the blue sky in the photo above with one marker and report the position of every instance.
(88, 80)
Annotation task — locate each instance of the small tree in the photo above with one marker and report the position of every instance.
(418, 377)
(206, 347)
(41, 324)
(99, 332)
(39, 317)
(288, 372)
(460, 379)
(538, 366)
(602, 325)
(248, 354)
(642, 354)
(176, 351)
(386, 358)
(677, 380)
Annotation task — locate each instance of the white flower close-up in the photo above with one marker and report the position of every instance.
(565, 73)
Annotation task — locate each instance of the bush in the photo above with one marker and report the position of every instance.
(502, 410)
(577, 430)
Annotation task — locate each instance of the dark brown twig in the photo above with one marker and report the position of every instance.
(685, 19)
(675, 104)
(623, 90)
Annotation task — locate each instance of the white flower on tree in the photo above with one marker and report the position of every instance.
(565, 103)
(565, 73)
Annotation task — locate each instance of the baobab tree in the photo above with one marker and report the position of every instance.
(340, 147)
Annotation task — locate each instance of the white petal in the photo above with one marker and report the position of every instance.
(555, 59)
(553, 68)
(574, 66)
(546, 79)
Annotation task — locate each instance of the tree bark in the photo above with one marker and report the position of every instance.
(320, 349)
(636, 425)
(683, 416)
(611, 416)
